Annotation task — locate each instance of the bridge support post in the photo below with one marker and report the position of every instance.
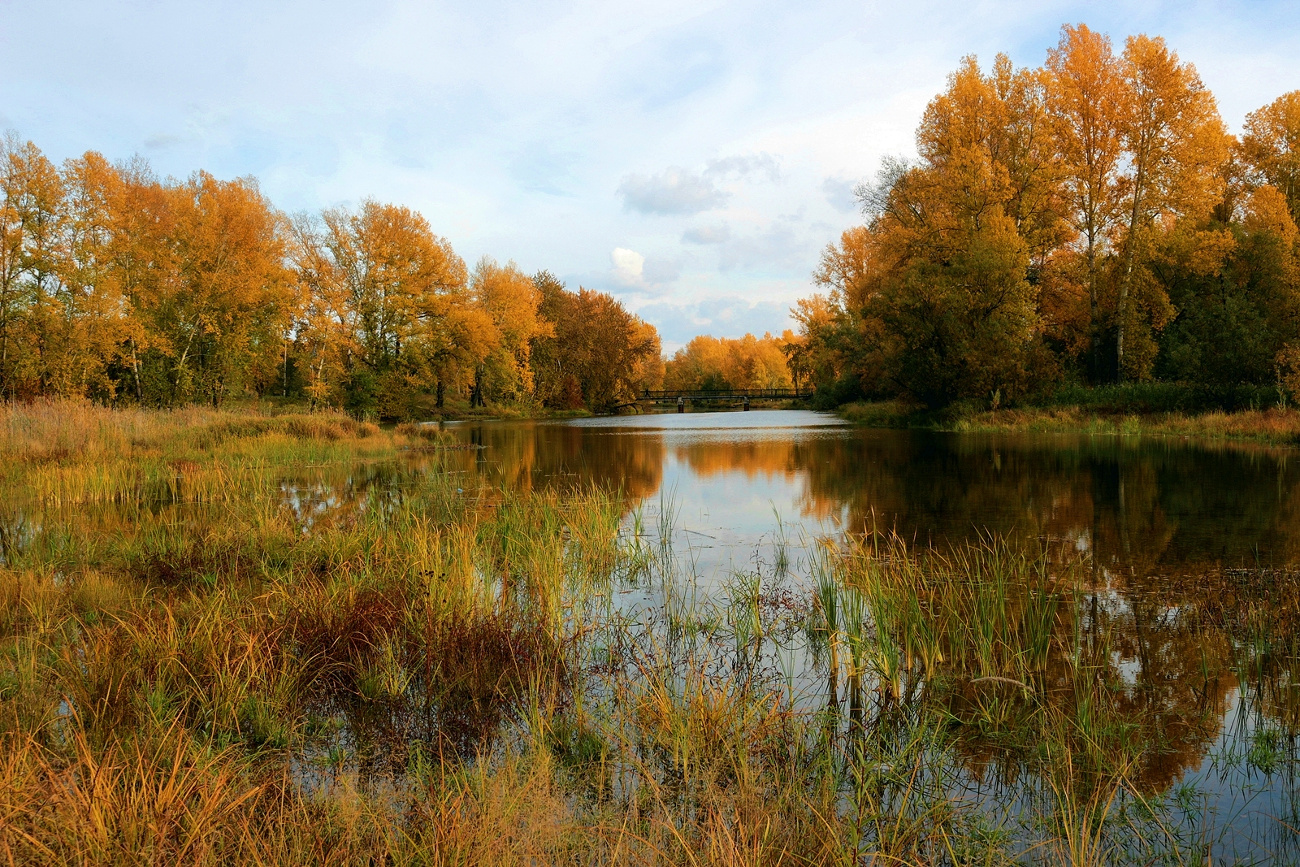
(746, 403)
(681, 404)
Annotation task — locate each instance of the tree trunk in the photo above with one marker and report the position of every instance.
(476, 396)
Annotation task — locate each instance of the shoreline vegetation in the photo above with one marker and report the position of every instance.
(1153, 410)
(229, 637)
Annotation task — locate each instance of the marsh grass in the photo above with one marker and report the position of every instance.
(297, 639)
(1265, 425)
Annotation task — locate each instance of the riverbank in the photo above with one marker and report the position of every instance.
(452, 411)
(1273, 427)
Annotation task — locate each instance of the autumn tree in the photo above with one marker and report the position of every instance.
(384, 298)
(597, 355)
(326, 339)
(1059, 219)
(217, 317)
(1270, 146)
(814, 353)
(139, 265)
(93, 318)
(1085, 101)
(1175, 144)
(117, 285)
(510, 300)
(1237, 290)
(709, 363)
(29, 264)
(938, 281)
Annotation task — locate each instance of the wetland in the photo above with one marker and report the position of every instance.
(761, 637)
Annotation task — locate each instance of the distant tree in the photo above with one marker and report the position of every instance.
(510, 299)
(597, 355)
(718, 364)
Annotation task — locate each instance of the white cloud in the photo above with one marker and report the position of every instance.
(673, 191)
(714, 234)
(661, 272)
(745, 166)
(629, 266)
(677, 190)
(777, 247)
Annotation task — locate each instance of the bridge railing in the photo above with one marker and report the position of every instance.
(722, 394)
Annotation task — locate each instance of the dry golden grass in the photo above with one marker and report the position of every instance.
(1268, 427)
(1274, 426)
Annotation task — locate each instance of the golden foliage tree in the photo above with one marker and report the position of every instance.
(116, 285)
(510, 299)
(598, 355)
(1175, 144)
(719, 363)
(1062, 218)
(1270, 145)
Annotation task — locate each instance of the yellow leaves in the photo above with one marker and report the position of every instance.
(509, 296)
(597, 354)
(113, 281)
(1192, 249)
(845, 269)
(1271, 145)
(511, 300)
(379, 282)
(1172, 132)
(1267, 211)
(1288, 369)
(1084, 96)
(720, 363)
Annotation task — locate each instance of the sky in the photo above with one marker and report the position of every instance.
(691, 158)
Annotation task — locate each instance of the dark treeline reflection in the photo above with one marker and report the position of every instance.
(528, 456)
(1133, 509)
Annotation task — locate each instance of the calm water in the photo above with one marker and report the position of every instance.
(1136, 509)
(1155, 525)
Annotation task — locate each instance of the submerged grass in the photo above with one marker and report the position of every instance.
(297, 639)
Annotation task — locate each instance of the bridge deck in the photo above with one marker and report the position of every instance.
(731, 394)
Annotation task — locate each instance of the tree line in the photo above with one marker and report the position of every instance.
(721, 363)
(1090, 220)
(116, 285)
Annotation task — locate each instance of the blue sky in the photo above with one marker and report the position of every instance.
(693, 158)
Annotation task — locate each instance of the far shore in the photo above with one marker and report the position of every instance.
(1273, 426)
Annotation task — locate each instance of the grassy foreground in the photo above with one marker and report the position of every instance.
(298, 639)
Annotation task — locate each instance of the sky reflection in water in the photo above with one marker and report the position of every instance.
(1146, 519)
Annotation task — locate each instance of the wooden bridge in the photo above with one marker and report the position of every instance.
(734, 396)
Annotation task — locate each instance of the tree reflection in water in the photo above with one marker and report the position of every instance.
(1167, 539)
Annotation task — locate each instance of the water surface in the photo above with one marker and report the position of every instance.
(1161, 529)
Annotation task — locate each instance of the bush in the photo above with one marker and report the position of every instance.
(1145, 398)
